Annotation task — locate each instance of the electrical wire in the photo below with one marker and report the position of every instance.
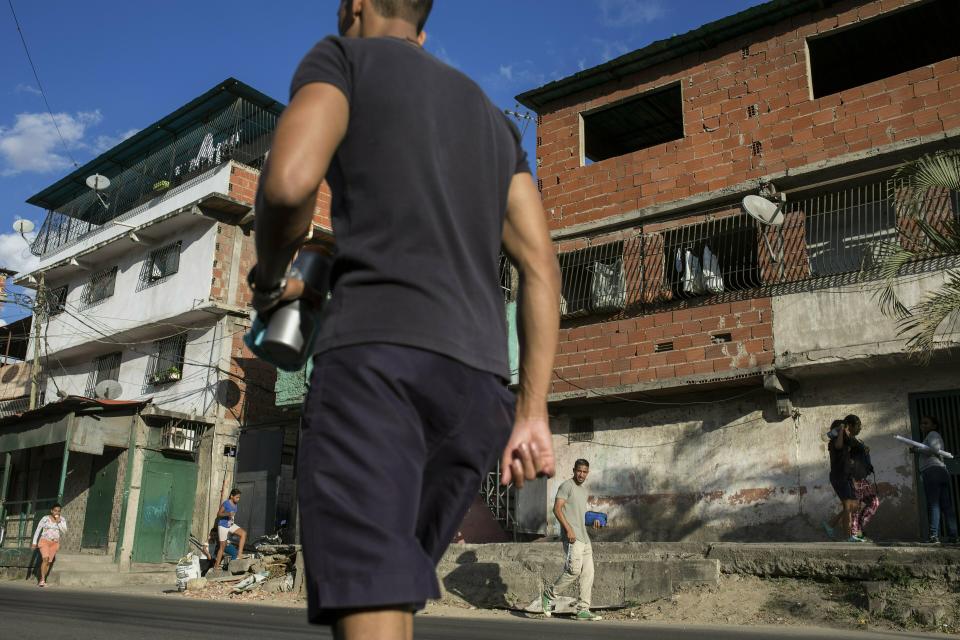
(43, 93)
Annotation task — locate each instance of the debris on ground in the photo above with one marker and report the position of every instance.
(271, 571)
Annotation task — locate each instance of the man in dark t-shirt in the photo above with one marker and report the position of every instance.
(408, 407)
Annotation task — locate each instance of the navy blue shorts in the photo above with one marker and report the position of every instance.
(843, 487)
(394, 444)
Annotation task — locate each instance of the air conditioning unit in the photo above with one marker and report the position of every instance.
(177, 439)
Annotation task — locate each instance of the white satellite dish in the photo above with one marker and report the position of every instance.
(108, 390)
(764, 211)
(23, 227)
(98, 182)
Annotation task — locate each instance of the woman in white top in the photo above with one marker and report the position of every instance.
(47, 539)
(936, 482)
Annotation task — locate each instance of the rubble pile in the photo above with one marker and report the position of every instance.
(272, 569)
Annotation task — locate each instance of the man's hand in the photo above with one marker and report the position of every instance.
(529, 452)
(33, 546)
(596, 524)
(571, 536)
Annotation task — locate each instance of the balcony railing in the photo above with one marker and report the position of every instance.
(241, 131)
(726, 253)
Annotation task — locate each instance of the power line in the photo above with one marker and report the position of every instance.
(43, 93)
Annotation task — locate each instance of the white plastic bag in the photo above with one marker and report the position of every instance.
(188, 568)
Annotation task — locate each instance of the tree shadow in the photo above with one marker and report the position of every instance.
(477, 583)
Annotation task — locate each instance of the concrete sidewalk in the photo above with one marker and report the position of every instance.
(509, 576)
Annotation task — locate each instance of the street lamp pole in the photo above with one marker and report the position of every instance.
(37, 319)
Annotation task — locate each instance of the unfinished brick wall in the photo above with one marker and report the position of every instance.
(718, 86)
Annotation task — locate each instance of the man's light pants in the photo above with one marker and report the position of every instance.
(578, 564)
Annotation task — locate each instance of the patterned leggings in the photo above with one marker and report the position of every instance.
(867, 496)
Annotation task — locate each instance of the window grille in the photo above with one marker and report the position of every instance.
(506, 278)
(181, 436)
(100, 287)
(581, 429)
(166, 363)
(593, 280)
(56, 300)
(161, 263)
(105, 368)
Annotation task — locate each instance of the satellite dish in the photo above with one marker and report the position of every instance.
(108, 390)
(23, 227)
(98, 182)
(764, 211)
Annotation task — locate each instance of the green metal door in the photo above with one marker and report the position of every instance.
(99, 511)
(167, 494)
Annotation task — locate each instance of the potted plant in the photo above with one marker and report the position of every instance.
(168, 375)
(161, 185)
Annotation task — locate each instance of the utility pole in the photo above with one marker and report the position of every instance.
(37, 316)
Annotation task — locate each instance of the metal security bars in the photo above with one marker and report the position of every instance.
(100, 287)
(160, 264)
(506, 272)
(105, 368)
(241, 131)
(166, 362)
(501, 500)
(726, 253)
(56, 300)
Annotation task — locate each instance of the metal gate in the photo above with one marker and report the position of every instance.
(945, 407)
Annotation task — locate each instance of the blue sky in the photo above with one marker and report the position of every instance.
(111, 67)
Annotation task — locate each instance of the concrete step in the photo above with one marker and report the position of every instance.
(112, 579)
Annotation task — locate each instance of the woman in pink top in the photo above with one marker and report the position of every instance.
(47, 539)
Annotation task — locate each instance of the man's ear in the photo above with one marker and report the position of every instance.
(421, 38)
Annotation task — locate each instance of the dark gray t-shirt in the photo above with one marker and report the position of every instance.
(419, 189)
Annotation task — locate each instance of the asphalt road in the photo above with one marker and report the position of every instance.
(28, 613)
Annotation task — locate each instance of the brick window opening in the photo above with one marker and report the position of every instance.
(56, 300)
(890, 44)
(720, 338)
(581, 429)
(100, 287)
(161, 263)
(663, 347)
(712, 257)
(593, 281)
(644, 121)
(166, 362)
(105, 368)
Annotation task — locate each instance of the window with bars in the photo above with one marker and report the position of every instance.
(711, 257)
(506, 278)
(56, 300)
(161, 263)
(166, 363)
(593, 280)
(100, 286)
(105, 367)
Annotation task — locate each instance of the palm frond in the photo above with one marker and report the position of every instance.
(925, 319)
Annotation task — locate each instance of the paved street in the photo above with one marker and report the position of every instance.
(29, 613)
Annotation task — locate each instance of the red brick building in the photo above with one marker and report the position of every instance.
(702, 351)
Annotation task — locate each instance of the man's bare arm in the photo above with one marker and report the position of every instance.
(558, 511)
(526, 240)
(307, 136)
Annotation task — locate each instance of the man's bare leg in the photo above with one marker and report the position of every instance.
(243, 541)
(221, 545)
(385, 624)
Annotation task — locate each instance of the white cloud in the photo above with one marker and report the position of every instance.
(609, 49)
(441, 53)
(15, 253)
(105, 143)
(33, 144)
(27, 88)
(523, 74)
(506, 72)
(629, 13)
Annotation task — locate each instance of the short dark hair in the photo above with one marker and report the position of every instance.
(933, 421)
(56, 505)
(235, 492)
(581, 463)
(852, 420)
(415, 11)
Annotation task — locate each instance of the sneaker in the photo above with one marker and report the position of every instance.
(546, 603)
(829, 530)
(933, 540)
(43, 583)
(587, 616)
(854, 539)
(863, 538)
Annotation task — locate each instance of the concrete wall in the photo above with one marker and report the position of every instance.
(733, 470)
(843, 323)
(132, 305)
(195, 392)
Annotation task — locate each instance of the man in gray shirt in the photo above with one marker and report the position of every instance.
(936, 481)
(570, 508)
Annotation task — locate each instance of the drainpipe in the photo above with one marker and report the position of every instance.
(66, 458)
(7, 463)
(127, 481)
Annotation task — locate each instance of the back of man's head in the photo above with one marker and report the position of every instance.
(413, 11)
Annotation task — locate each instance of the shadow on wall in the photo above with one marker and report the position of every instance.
(777, 500)
(478, 583)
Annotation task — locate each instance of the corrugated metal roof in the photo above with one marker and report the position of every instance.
(72, 404)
